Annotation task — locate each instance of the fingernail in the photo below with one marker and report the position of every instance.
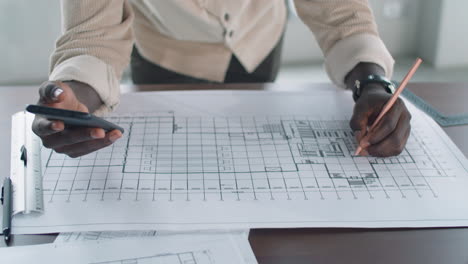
(364, 153)
(95, 133)
(57, 92)
(114, 137)
(364, 143)
(56, 126)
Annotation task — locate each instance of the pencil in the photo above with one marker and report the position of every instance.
(393, 99)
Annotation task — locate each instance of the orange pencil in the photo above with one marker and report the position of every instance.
(393, 99)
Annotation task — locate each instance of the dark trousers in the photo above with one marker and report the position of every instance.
(145, 72)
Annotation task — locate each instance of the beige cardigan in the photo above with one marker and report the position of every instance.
(198, 37)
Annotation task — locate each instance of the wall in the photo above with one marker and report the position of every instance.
(429, 33)
(28, 30)
(452, 42)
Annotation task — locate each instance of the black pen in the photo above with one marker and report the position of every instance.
(7, 210)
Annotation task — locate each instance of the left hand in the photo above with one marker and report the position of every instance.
(390, 135)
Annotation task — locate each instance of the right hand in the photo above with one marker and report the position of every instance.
(73, 141)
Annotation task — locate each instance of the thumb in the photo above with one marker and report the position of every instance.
(51, 93)
(59, 95)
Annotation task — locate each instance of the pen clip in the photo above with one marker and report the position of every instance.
(24, 155)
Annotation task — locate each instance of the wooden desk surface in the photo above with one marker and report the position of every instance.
(327, 245)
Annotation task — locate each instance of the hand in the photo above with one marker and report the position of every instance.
(391, 134)
(73, 141)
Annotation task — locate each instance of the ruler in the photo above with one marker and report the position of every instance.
(441, 119)
(26, 173)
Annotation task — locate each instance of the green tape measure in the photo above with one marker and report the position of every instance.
(441, 119)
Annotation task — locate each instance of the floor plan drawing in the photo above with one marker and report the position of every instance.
(201, 257)
(224, 160)
(97, 235)
(166, 157)
(184, 249)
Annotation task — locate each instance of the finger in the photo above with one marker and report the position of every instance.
(394, 144)
(44, 127)
(83, 148)
(359, 119)
(388, 123)
(59, 95)
(364, 153)
(358, 124)
(72, 136)
(50, 93)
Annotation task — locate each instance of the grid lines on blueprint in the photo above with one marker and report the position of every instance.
(198, 257)
(165, 157)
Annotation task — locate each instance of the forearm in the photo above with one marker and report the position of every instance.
(100, 29)
(94, 50)
(86, 94)
(347, 34)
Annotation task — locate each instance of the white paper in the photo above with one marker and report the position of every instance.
(105, 235)
(234, 160)
(239, 237)
(210, 249)
(102, 235)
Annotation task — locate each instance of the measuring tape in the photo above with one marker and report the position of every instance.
(441, 119)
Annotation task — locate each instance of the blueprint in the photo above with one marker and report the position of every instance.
(217, 160)
(239, 237)
(201, 249)
(107, 235)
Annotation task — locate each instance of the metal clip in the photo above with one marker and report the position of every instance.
(24, 155)
(3, 193)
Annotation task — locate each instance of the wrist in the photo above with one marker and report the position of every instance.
(368, 78)
(85, 95)
(361, 71)
(374, 88)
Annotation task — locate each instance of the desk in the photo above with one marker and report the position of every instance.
(443, 245)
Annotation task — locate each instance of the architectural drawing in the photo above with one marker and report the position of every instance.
(167, 157)
(239, 160)
(199, 257)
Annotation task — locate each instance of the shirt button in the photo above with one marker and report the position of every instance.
(226, 17)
